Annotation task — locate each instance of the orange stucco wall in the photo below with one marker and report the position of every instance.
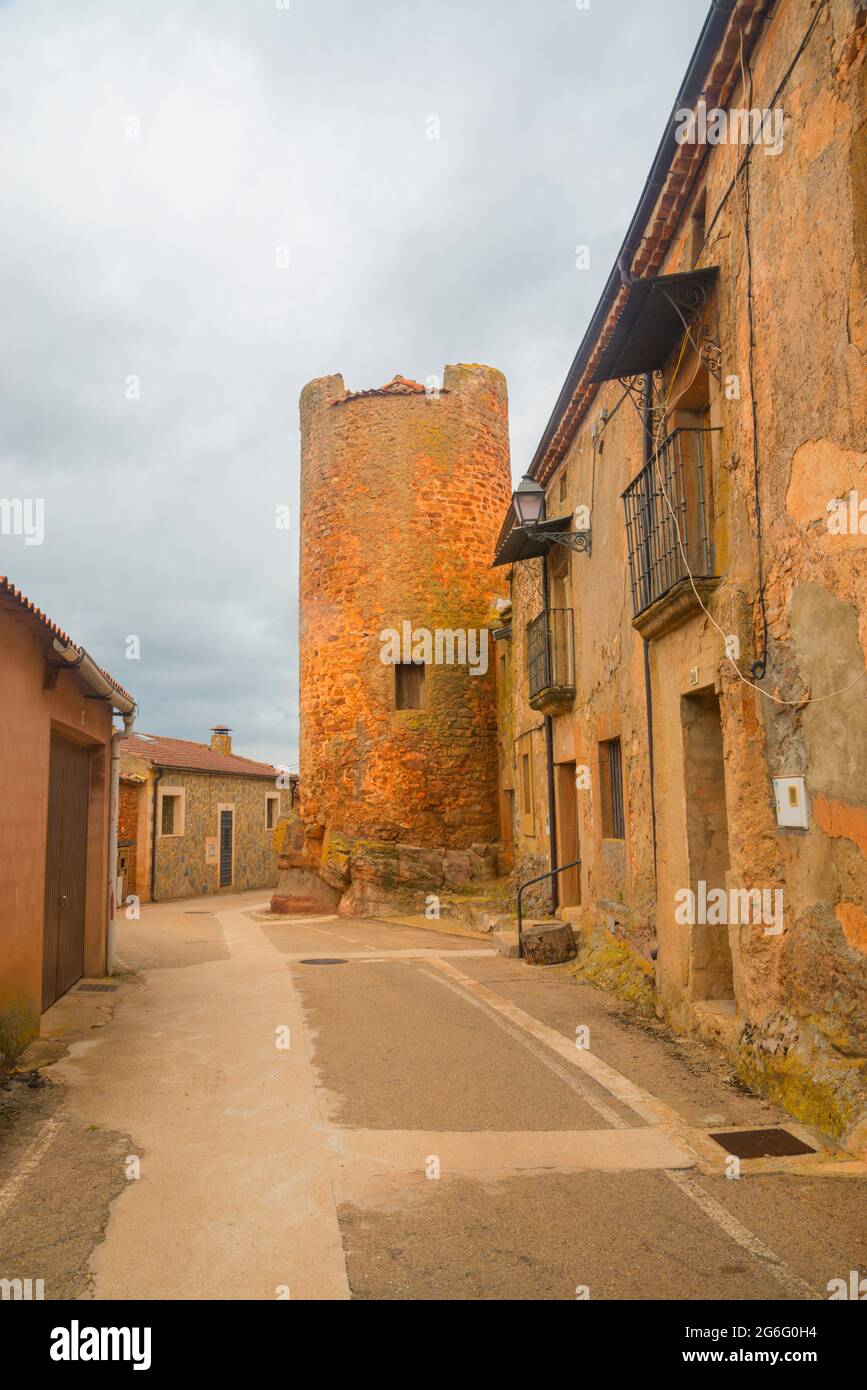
(28, 713)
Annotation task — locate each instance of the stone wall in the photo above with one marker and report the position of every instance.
(182, 868)
(788, 1006)
(402, 493)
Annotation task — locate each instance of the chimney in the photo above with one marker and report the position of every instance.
(221, 738)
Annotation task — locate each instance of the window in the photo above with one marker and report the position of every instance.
(611, 778)
(272, 810)
(409, 685)
(171, 811)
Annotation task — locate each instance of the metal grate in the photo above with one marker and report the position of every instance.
(324, 960)
(550, 652)
(679, 473)
(227, 829)
(762, 1143)
(95, 989)
(614, 823)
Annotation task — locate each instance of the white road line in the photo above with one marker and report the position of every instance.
(305, 921)
(740, 1234)
(604, 1111)
(646, 1105)
(32, 1157)
(655, 1111)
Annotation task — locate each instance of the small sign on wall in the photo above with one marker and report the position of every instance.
(212, 852)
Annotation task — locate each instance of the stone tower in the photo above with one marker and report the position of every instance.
(403, 491)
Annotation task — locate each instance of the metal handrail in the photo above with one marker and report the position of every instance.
(530, 881)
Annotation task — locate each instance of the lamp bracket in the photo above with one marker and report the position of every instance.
(572, 540)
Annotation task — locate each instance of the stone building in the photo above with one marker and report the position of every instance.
(685, 677)
(402, 493)
(196, 818)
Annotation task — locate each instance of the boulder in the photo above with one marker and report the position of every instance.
(300, 891)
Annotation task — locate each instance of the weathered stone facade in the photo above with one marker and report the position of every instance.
(183, 859)
(789, 1006)
(402, 491)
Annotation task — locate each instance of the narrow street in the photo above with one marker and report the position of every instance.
(336, 1108)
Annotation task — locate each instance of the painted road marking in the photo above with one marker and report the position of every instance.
(646, 1105)
(654, 1111)
(740, 1234)
(30, 1160)
(541, 1054)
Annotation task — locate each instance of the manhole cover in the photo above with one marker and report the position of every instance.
(324, 960)
(95, 989)
(762, 1143)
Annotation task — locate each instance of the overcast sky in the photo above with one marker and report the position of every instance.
(262, 126)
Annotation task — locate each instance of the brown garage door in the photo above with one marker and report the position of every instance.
(65, 868)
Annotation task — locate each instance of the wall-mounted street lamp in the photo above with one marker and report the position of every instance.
(528, 501)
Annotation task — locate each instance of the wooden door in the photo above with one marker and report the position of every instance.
(65, 867)
(569, 890)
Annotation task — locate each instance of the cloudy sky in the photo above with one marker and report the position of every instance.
(162, 161)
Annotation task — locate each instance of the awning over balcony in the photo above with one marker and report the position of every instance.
(515, 544)
(652, 322)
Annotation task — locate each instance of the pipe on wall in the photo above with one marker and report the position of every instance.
(157, 780)
(549, 766)
(648, 689)
(113, 818)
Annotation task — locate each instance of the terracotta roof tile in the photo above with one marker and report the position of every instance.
(182, 753)
(8, 590)
(398, 386)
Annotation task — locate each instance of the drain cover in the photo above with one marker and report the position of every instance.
(324, 960)
(762, 1143)
(95, 989)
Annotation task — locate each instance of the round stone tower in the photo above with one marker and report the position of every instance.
(403, 491)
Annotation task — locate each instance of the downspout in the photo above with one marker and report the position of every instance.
(157, 780)
(648, 691)
(549, 762)
(113, 814)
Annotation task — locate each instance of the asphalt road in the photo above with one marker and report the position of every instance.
(237, 1119)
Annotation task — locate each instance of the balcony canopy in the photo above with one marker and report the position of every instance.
(517, 544)
(652, 322)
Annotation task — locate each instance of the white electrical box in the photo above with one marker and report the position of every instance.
(791, 794)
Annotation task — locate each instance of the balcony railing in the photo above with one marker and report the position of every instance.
(551, 660)
(667, 517)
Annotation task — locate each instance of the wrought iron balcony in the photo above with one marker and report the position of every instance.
(667, 527)
(551, 661)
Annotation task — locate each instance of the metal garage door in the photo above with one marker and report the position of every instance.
(65, 867)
